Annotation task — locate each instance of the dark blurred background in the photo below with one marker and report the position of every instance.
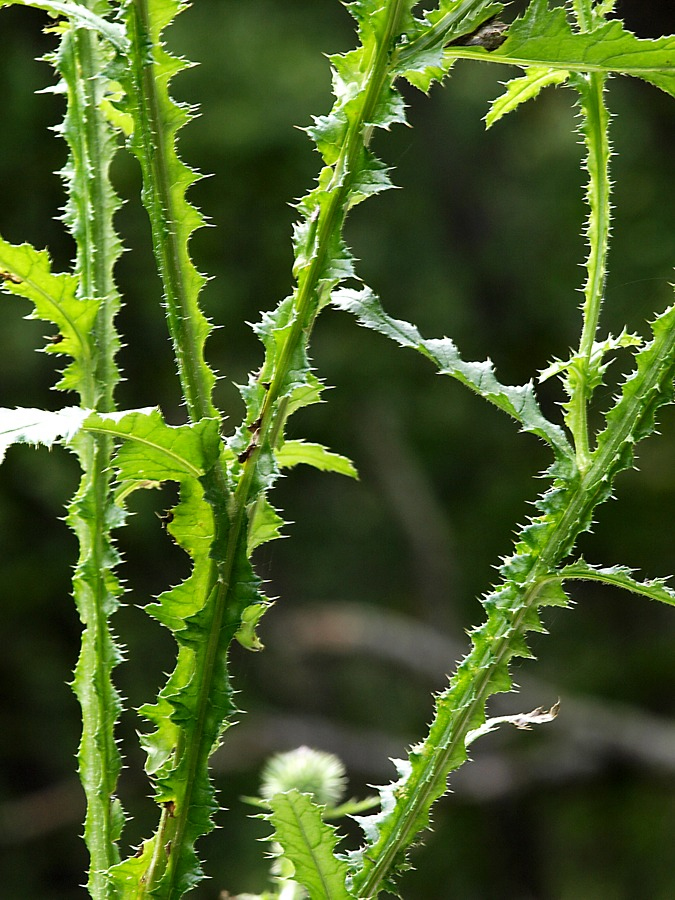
(381, 577)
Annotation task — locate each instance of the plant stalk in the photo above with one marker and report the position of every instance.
(171, 226)
(226, 615)
(90, 210)
(596, 122)
(428, 780)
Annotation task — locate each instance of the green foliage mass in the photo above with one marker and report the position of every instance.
(116, 77)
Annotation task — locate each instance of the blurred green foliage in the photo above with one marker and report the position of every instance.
(482, 244)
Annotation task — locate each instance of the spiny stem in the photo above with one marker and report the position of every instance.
(595, 130)
(427, 780)
(599, 202)
(91, 206)
(226, 616)
(441, 32)
(187, 325)
(583, 10)
(188, 754)
(330, 219)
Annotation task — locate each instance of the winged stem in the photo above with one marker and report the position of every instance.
(225, 488)
(512, 611)
(583, 10)
(330, 220)
(154, 146)
(92, 514)
(595, 129)
(173, 220)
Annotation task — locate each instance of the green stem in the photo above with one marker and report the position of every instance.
(583, 11)
(226, 617)
(596, 122)
(460, 20)
(331, 219)
(91, 207)
(444, 749)
(172, 219)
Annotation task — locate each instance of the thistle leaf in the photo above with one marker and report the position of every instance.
(520, 90)
(647, 388)
(619, 576)
(155, 451)
(518, 402)
(265, 523)
(26, 272)
(38, 426)
(543, 36)
(309, 843)
(292, 453)
(250, 618)
(420, 58)
(82, 17)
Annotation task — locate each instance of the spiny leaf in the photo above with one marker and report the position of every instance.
(520, 90)
(250, 619)
(420, 58)
(155, 451)
(309, 843)
(292, 453)
(544, 37)
(603, 8)
(519, 402)
(265, 523)
(81, 16)
(647, 388)
(582, 375)
(619, 576)
(27, 273)
(38, 426)
(599, 362)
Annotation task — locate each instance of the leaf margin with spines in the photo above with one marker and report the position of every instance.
(27, 272)
(620, 577)
(518, 402)
(531, 578)
(81, 16)
(157, 119)
(543, 36)
(523, 88)
(317, 867)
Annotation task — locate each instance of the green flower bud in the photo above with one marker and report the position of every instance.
(310, 771)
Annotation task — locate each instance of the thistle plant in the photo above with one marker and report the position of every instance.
(116, 76)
